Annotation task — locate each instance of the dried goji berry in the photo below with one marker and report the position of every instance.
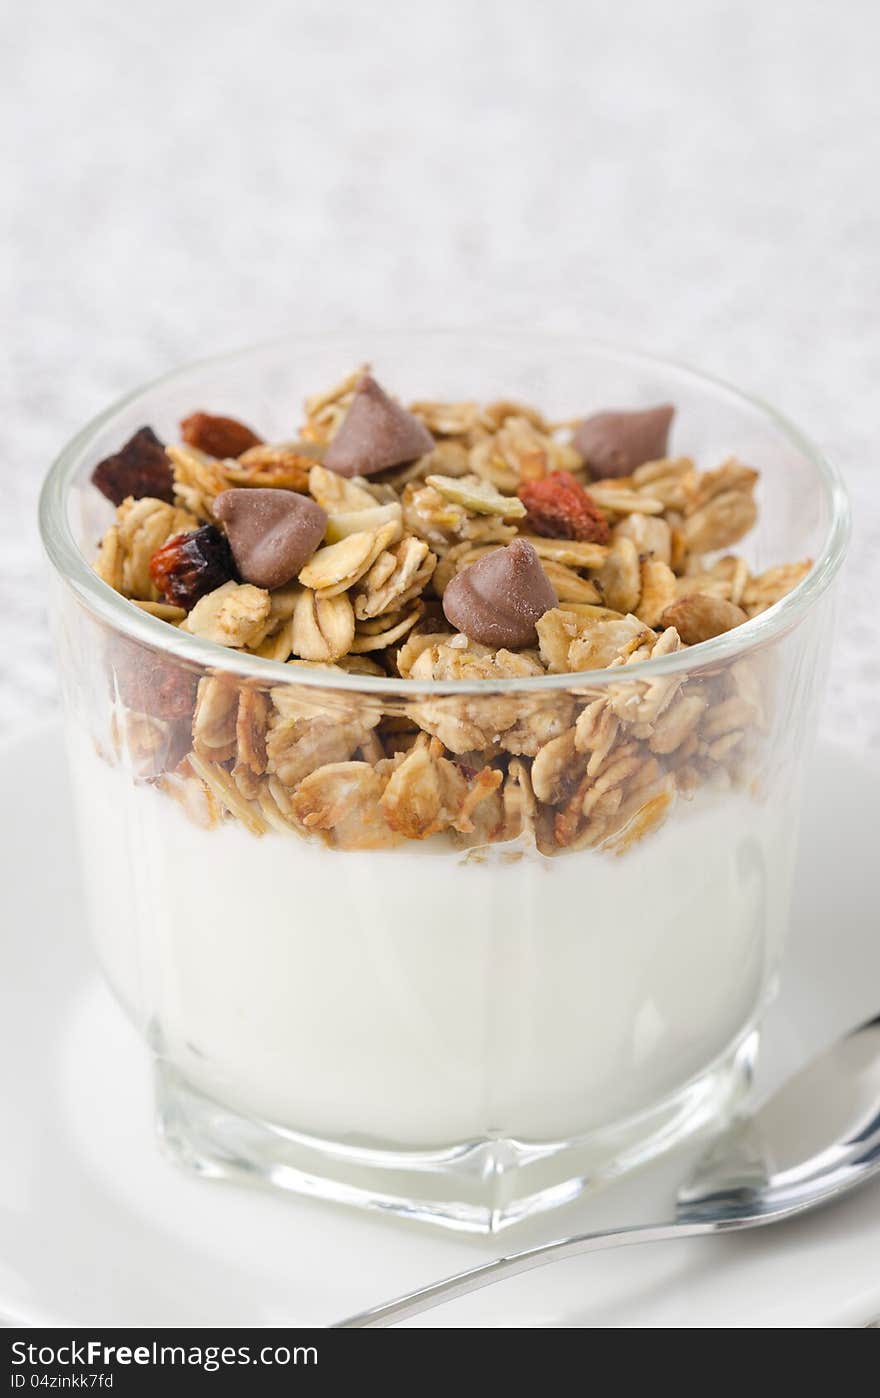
(218, 436)
(190, 565)
(559, 508)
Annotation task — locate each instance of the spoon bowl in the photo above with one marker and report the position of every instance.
(814, 1139)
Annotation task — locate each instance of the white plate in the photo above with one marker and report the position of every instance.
(97, 1228)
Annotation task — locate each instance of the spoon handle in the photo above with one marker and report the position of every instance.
(415, 1302)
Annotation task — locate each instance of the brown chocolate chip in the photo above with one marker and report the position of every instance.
(376, 433)
(498, 599)
(698, 617)
(272, 533)
(139, 468)
(218, 436)
(614, 443)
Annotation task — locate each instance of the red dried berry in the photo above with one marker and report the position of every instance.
(139, 468)
(559, 508)
(189, 565)
(218, 436)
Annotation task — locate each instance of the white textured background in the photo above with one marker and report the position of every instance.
(693, 177)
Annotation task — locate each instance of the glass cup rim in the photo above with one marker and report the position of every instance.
(139, 626)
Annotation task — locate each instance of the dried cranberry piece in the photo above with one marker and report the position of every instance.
(189, 565)
(139, 468)
(218, 436)
(560, 508)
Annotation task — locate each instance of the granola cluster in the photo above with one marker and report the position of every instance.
(438, 542)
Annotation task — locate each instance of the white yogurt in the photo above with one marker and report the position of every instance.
(411, 998)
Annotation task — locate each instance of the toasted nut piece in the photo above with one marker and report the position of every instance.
(218, 436)
(698, 617)
(477, 495)
(323, 626)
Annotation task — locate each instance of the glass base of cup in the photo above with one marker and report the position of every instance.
(479, 1186)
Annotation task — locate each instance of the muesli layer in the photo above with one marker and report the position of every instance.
(438, 541)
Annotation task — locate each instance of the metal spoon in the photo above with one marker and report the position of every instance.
(816, 1138)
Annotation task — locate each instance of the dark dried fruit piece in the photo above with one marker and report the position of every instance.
(139, 468)
(190, 565)
(560, 508)
(149, 683)
(218, 436)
